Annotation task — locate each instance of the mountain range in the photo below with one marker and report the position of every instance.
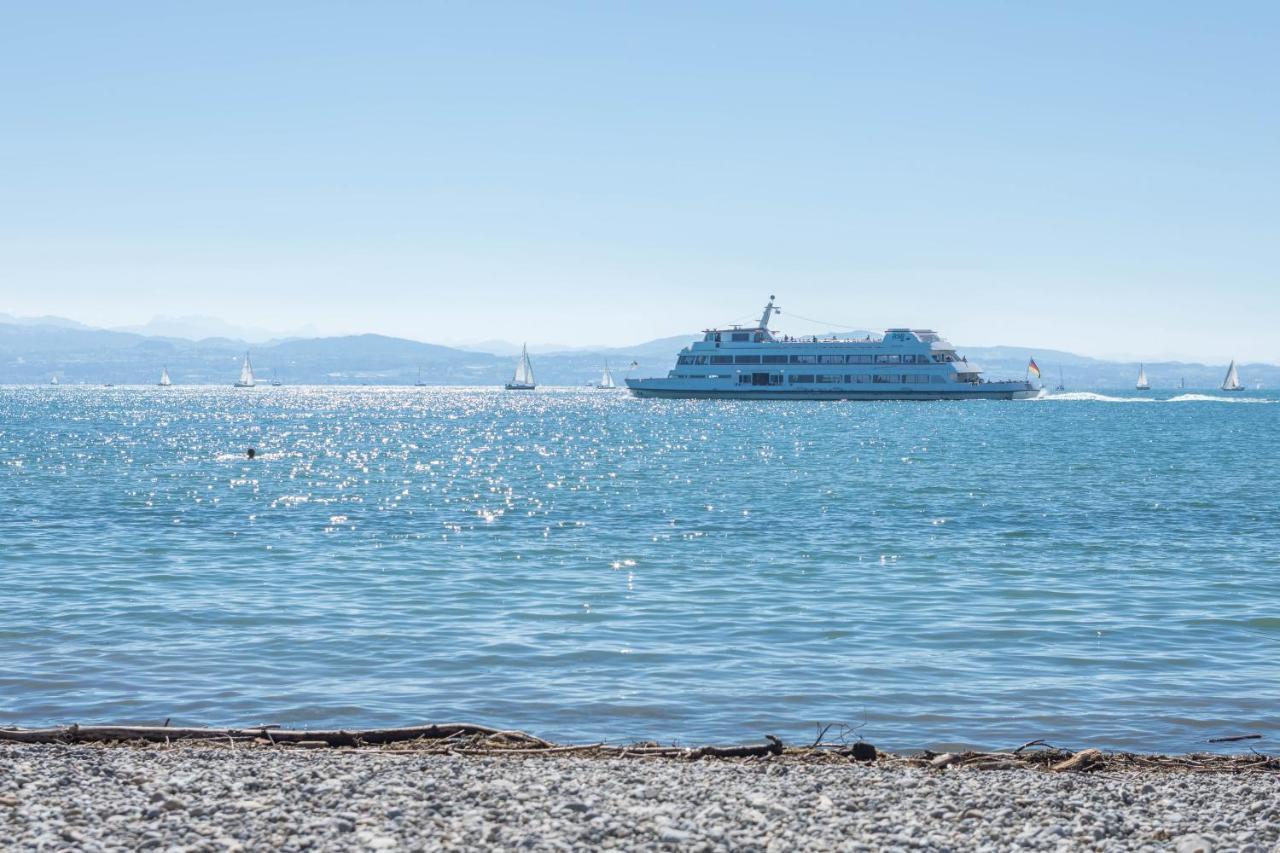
(35, 349)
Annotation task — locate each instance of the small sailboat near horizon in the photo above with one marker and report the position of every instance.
(54, 380)
(246, 379)
(1143, 384)
(1232, 380)
(523, 379)
(606, 379)
(275, 379)
(165, 381)
(1062, 386)
(419, 383)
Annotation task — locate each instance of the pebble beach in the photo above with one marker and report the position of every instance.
(189, 797)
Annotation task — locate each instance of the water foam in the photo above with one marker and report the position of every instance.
(1181, 398)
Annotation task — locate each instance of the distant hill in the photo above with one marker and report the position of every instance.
(32, 351)
(198, 328)
(60, 322)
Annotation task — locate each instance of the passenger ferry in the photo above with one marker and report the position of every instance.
(753, 363)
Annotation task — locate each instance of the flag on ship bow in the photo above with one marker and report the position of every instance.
(1034, 368)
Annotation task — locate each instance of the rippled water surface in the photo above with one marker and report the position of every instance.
(590, 566)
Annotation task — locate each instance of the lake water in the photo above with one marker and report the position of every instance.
(1087, 569)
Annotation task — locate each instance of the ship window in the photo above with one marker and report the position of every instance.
(741, 336)
(685, 359)
(804, 359)
(801, 377)
(831, 359)
(888, 378)
(775, 378)
(774, 359)
(888, 359)
(830, 378)
(746, 359)
(744, 378)
(862, 377)
(860, 359)
(938, 380)
(699, 359)
(722, 359)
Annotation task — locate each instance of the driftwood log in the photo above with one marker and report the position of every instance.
(333, 737)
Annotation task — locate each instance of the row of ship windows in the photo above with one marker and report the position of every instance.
(811, 359)
(825, 378)
(882, 378)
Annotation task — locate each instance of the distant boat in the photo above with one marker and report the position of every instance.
(606, 379)
(1232, 380)
(53, 381)
(1182, 383)
(275, 379)
(165, 381)
(1061, 385)
(419, 383)
(1143, 384)
(523, 378)
(246, 374)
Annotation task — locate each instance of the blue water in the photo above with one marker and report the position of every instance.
(1090, 570)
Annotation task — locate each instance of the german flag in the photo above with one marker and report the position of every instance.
(1034, 368)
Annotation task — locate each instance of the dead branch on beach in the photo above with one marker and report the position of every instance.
(75, 733)
(469, 739)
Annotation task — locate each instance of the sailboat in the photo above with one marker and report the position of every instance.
(1182, 383)
(275, 379)
(53, 381)
(420, 383)
(1232, 380)
(165, 381)
(1061, 385)
(606, 379)
(246, 374)
(523, 378)
(1143, 384)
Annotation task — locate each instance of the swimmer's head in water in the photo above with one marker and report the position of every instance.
(251, 453)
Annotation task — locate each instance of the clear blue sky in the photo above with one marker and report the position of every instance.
(1102, 177)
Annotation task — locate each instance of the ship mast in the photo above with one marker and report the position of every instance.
(769, 310)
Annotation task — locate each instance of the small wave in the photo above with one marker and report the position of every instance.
(1181, 398)
(1211, 398)
(1101, 398)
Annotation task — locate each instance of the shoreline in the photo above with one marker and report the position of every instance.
(202, 795)
(471, 739)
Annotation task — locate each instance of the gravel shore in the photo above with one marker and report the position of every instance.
(200, 798)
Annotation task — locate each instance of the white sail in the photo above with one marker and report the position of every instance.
(53, 381)
(1143, 384)
(1232, 381)
(606, 379)
(246, 374)
(523, 377)
(165, 381)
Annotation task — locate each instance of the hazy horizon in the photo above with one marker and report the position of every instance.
(1093, 179)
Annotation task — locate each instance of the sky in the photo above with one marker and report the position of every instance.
(1087, 176)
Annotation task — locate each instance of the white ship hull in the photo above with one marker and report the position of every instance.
(681, 390)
